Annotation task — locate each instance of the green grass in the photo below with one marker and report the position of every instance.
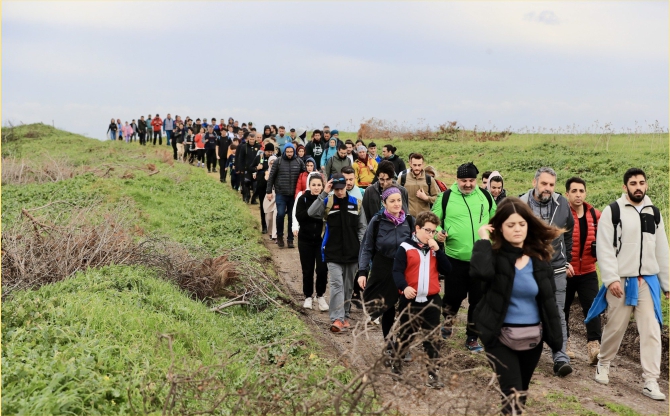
(80, 345)
(568, 404)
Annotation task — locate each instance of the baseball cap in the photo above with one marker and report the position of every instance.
(339, 182)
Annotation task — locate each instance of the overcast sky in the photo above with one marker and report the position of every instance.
(303, 64)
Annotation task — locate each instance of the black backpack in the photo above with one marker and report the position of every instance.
(375, 228)
(616, 220)
(445, 201)
(403, 180)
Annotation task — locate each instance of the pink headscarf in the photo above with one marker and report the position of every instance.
(492, 175)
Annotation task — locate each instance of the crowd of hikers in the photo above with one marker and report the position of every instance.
(391, 237)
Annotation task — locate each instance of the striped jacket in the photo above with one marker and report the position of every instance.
(419, 268)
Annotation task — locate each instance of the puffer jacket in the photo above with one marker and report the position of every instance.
(558, 212)
(388, 239)
(582, 260)
(284, 175)
(372, 199)
(496, 271)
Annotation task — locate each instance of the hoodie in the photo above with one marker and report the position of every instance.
(303, 179)
(285, 173)
(503, 193)
(330, 151)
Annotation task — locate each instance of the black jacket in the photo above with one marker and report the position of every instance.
(388, 239)
(310, 228)
(284, 175)
(178, 135)
(316, 155)
(496, 271)
(398, 164)
(372, 200)
(223, 143)
(142, 126)
(244, 157)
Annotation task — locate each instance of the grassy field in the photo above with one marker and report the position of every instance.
(97, 343)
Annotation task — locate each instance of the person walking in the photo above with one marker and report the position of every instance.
(168, 128)
(345, 227)
(386, 230)
(262, 165)
(462, 210)
(309, 245)
(178, 139)
(210, 140)
(284, 178)
(156, 123)
(372, 199)
(584, 281)
(495, 187)
(244, 162)
(388, 153)
(416, 268)
(111, 130)
(282, 138)
(554, 209)
(127, 132)
(315, 147)
(421, 188)
(223, 143)
(142, 131)
(119, 129)
(335, 163)
(200, 147)
(632, 252)
(133, 125)
(365, 168)
(517, 311)
(302, 185)
(270, 204)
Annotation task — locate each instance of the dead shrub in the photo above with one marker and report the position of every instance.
(128, 175)
(151, 167)
(48, 169)
(165, 157)
(449, 131)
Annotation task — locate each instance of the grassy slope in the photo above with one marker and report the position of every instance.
(77, 346)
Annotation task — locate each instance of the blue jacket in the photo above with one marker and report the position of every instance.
(599, 304)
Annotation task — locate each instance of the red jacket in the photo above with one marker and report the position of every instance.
(157, 123)
(586, 263)
(412, 264)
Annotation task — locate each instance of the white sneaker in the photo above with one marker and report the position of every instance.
(323, 306)
(307, 304)
(651, 390)
(603, 373)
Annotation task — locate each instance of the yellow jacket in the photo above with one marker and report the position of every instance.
(365, 174)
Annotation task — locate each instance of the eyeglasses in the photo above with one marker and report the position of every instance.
(429, 231)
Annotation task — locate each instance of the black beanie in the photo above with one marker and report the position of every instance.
(269, 147)
(467, 171)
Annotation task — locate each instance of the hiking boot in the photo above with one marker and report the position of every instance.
(321, 301)
(568, 350)
(562, 368)
(446, 332)
(290, 244)
(593, 349)
(308, 303)
(434, 382)
(280, 242)
(602, 373)
(337, 326)
(473, 345)
(651, 390)
(265, 230)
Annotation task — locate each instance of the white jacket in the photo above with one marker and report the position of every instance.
(640, 254)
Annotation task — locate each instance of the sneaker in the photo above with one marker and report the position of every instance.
(593, 349)
(323, 306)
(214, 171)
(308, 303)
(280, 242)
(337, 326)
(408, 357)
(651, 390)
(446, 332)
(602, 373)
(209, 171)
(254, 202)
(396, 367)
(388, 356)
(568, 350)
(434, 382)
(376, 321)
(473, 345)
(290, 244)
(562, 369)
(347, 324)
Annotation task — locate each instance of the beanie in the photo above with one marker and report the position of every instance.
(467, 171)
(269, 147)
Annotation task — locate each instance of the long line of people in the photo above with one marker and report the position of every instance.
(375, 231)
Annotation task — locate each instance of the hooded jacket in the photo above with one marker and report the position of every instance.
(335, 165)
(302, 184)
(268, 135)
(328, 152)
(555, 212)
(244, 157)
(637, 252)
(372, 199)
(582, 260)
(465, 214)
(388, 239)
(503, 193)
(398, 164)
(309, 228)
(284, 175)
(315, 149)
(496, 271)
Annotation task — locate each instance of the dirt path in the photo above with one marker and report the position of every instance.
(470, 392)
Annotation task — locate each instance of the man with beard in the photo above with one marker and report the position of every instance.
(315, 148)
(421, 188)
(495, 187)
(554, 209)
(244, 162)
(337, 162)
(461, 209)
(632, 251)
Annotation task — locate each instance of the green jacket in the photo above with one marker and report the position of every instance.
(465, 214)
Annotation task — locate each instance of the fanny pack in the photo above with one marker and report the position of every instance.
(521, 338)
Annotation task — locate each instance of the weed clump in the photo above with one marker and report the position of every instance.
(449, 131)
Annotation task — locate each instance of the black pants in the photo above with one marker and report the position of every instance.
(420, 319)
(248, 186)
(222, 169)
(200, 155)
(514, 370)
(143, 139)
(158, 135)
(174, 149)
(310, 256)
(457, 286)
(586, 287)
(261, 186)
(211, 159)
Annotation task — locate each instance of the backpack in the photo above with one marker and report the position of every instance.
(445, 201)
(375, 228)
(616, 220)
(403, 179)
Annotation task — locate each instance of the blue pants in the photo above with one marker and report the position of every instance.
(112, 135)
(168, 134)
(284, 207)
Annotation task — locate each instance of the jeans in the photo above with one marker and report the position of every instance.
(514, 370)
(168, 136)
(112, 135)
(341, 286)
(561, 284)
(310, 256)
(586, 286)
(285, 208)
(457, 286)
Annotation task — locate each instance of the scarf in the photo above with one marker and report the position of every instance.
(395, 220)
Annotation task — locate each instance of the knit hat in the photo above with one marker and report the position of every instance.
(269, 147)
(492, 175)
(361, 148)
(467, 171)
(390, 191)
(334, 132)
